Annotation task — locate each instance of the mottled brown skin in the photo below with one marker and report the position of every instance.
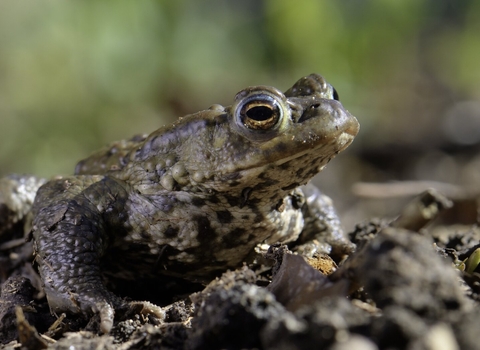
(194, 198)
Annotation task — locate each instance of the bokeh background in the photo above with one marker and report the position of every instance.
(77, 75)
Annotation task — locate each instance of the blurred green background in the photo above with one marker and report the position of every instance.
(77, 75)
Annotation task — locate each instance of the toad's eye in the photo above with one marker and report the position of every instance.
(260, 112)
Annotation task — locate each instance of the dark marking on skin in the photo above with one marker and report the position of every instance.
(311, 173)
(290, 187)
(171, 232)
(279, 148)
(252, 202)
(267, 182)
(258, 218)
(272, 182)
(245, 194)
(233, 238)
(233, 201)
(299, 173)
(224, 216)
(198, 202)
(205, 231)
(213, 199)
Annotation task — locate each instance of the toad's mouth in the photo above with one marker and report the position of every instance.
(327, 149)
(310, 159)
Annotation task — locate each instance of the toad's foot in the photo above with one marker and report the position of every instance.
(103, 304)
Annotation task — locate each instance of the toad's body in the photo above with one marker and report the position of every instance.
(191, 199)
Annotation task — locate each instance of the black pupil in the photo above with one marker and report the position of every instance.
(260, 113)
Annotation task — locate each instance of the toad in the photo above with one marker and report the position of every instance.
(194, 198)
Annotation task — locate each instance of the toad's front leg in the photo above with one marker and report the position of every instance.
(72, 231)
(323, 232)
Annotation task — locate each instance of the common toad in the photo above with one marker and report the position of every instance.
(194, 198)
